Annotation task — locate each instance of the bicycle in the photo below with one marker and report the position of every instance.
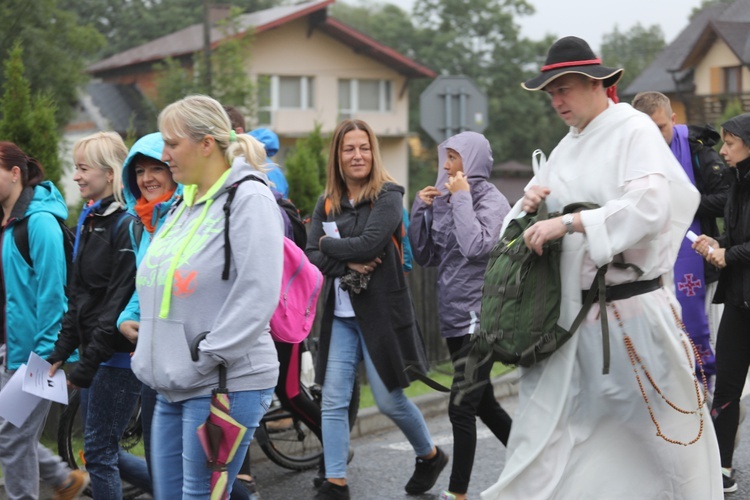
(283, 435)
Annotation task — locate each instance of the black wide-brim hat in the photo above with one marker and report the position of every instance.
(572, 55)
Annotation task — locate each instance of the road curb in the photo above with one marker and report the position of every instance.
(370, 420)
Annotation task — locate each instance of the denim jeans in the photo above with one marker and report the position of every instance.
(177, 457)
(347, 349)
(106, 408)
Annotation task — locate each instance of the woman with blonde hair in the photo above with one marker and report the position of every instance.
(102, 284)
(211, 278)
(368, 314)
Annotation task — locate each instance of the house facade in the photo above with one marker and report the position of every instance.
(706, 68)
(310, 67)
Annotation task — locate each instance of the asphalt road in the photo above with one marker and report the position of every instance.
(383, 463)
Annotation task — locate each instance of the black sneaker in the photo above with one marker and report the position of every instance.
(730, 485)
(330, 491)
(426, 473)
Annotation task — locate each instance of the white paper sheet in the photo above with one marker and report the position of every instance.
(16, 405)
(331, 229)
(38, 382)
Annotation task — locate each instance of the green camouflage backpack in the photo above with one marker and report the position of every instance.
(521, 301)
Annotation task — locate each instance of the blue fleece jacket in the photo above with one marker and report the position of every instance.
(150, 145)
(35, 299)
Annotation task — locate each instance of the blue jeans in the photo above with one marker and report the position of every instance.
(106, 408)
(346, 350)
(177, 457)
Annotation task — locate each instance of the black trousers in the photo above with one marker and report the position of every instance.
(732, 361)
(479, 402)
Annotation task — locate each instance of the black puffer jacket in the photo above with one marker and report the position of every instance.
(103, 282)
(734, 283)
(712, 178)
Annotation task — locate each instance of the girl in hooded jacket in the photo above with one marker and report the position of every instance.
(103, 282)
(33, 304)
(455, 229)
(187, 300)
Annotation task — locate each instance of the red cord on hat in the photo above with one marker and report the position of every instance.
(612, 94)
(567, 64)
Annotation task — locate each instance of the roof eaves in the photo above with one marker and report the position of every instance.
(376, 49)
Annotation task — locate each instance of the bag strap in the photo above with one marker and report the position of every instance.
(599, 287)
(231, 191)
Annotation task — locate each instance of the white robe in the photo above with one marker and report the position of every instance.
(579, 434)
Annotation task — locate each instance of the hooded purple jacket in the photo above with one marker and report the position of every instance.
(458, 232)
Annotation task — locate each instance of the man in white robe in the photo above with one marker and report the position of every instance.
(578, 433)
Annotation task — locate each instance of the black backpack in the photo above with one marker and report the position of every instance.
(21, 239)
(298, 226)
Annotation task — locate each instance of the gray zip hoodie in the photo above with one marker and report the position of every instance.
(182, 294)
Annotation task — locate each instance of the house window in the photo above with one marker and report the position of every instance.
(283, 92)
(365, 95)
(733, 80)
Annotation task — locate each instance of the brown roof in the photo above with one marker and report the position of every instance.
(190, 40)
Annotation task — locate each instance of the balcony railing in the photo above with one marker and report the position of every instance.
(710, 109)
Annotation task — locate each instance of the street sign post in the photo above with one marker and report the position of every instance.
(452, 104)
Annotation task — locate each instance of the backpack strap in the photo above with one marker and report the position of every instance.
(21, 239)
(231, 191)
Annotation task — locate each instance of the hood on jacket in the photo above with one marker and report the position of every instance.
(475, 152)
(151, 146)
(47, 198)
(739, 126)
(269, 139)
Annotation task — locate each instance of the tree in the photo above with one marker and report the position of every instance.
(306, 171)
(55, 47)
(479, 39)
(130, 23)
(633, 50)
(230, 82)
(29, 123)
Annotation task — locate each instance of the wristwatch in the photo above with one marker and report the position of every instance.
(567, 220)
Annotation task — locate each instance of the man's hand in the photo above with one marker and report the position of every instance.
(542, 232)
(457, 183)
(129, 330)
(533, 197)
(428, 195)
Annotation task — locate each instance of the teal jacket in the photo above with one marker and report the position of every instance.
(34, 299)
(150, 145)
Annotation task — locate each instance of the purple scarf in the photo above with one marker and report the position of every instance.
(689, 279)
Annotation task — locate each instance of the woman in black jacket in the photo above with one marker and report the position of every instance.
(368, 314)
(731, 253)
(103, 282)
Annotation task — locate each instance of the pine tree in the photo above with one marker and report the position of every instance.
(29, 122)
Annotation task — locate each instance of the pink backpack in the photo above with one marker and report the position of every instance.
(301, 283)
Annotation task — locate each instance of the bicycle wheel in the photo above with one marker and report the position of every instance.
(70, 440)
(287, 440)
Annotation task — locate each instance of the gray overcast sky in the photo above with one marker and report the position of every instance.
(591, 19)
